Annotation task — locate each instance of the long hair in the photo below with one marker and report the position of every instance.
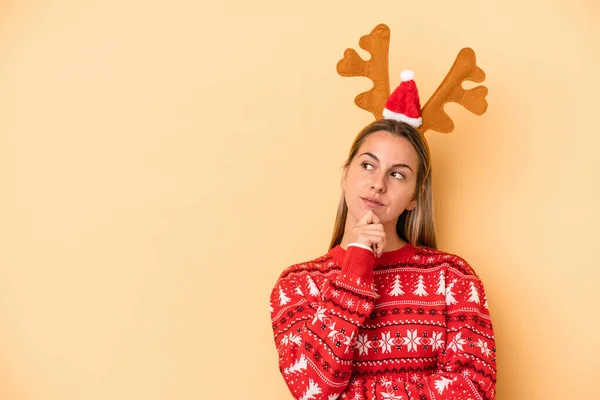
(414, 226)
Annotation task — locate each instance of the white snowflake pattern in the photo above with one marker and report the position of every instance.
(366, 306)
(333, 332)
(386, 342)
(391, 396)
(484, 347)
(385, 381)
(335, 293)
(349, 303)
(319, 315)
(430, 259)
(362, 344)
(412, 340)
(436, 341)
(349, 342)
(414, 378)
(291, 338)
(457, 342)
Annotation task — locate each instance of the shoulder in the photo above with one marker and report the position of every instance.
(320, 265)
(427, 255)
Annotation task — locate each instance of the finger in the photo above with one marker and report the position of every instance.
(366, 219)
(374, 219)
(376, 232)
(371, 228)
(370, 240)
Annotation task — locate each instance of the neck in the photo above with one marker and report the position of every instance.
(392, 241)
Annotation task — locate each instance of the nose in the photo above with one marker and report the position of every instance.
(378, 184)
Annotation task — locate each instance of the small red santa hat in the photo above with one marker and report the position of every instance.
(403, 104)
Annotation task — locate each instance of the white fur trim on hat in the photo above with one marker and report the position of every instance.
(414, 122)
(407, 75)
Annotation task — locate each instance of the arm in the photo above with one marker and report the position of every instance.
(467, 363)
(315, 330)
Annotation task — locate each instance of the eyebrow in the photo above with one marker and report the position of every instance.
(393, 166)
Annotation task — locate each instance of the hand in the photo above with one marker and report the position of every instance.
(369, 231)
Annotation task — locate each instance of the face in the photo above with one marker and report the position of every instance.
(382, 177)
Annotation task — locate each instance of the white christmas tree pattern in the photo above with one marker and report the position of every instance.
(442, 384)
(397, 288)
(283, 299)
(485, 298)
(297, 366)
(314, 290)
(474, 295)
(441, 284)
(333, 396)
(299, 291)
(450, 294)
(270, 306)
(312, 390)
(420, 289)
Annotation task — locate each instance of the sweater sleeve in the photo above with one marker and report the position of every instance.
(467, 362)
(315, 328)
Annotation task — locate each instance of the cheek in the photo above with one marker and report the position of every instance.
(402, 197)
(353, 182)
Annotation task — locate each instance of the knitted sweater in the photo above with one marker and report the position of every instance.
(410, 325)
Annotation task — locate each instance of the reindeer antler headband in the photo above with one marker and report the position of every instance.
(403, 104)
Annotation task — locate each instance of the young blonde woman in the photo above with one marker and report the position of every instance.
(384, 314)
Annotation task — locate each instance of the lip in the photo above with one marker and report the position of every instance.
(371, 202)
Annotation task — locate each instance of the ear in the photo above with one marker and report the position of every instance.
(412, 205)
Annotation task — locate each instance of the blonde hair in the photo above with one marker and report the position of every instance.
(414, 226)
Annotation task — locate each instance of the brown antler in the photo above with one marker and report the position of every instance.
(451, 90)
(377, 43)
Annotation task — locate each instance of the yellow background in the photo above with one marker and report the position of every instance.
(161, 162)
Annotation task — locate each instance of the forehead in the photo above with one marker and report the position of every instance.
(389, 148)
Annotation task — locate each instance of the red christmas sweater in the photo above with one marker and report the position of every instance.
(410, 325)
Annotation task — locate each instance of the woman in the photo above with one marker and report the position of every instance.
(384, 315)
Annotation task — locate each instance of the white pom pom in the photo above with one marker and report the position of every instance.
(407, 75)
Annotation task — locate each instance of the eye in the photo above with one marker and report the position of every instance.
(366, 165)
(398, 175)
